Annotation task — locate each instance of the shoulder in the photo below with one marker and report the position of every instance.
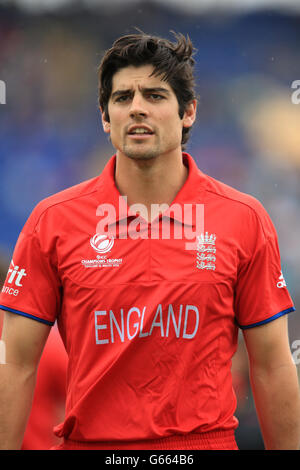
(224, 196)
(67, 197)
(77, 191)
(232, 195)
(239, 204)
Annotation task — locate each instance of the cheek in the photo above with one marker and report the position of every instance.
(115, 119)
(116, 138)
(172, 128)
(115, 127)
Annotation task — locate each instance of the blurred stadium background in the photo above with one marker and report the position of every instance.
(247, 132)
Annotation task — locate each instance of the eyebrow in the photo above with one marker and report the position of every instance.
(117, 93)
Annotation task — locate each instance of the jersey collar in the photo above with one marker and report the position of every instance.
(191, 193)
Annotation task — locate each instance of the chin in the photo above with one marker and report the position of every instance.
(135, 154)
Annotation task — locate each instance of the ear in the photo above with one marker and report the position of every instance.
(189, 116)
(105, 123)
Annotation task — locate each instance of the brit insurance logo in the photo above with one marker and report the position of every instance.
(14, 280)
(102, 244)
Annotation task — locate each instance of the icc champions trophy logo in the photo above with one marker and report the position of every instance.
(101, 243)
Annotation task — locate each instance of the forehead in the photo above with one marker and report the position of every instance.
(134, 77)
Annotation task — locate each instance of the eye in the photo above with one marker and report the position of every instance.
(156, 97)
(121, 99)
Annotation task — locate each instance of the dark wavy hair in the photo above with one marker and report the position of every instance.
(172, 61)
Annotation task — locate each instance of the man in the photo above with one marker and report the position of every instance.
(148, 296)
(49, 396)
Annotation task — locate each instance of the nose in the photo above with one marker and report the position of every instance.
(138, 106)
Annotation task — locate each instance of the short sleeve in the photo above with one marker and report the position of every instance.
(261, 293)
(32, 286)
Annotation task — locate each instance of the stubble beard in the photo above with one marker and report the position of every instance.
(136, 150)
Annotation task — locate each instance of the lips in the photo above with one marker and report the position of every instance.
(140, 130)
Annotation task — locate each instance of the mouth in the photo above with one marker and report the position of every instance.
(140, 131)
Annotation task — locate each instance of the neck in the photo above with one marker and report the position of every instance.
(148, 182)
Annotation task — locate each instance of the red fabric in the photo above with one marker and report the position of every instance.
(150, 326)
(216, 440)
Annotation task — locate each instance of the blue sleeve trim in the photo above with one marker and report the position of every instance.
(277, 315)
(18, 312)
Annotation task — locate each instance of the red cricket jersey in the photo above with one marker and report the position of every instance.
(149, 326)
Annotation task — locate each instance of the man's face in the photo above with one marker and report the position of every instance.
(144, 114)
